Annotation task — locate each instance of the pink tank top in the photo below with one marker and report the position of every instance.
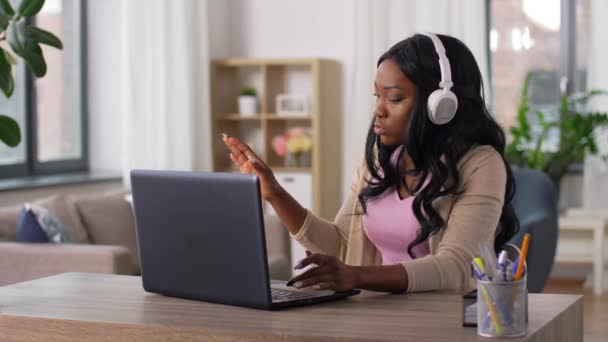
(390, 224)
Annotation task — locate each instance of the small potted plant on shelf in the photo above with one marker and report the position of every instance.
(248, 101)
(295, 146)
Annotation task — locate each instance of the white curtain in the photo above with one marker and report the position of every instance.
(595, 178)
(166, 77)
(378, 24)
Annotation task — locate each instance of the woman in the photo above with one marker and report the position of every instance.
(426, 196)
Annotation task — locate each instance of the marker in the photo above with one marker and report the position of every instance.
(502, 264)
(478, 263)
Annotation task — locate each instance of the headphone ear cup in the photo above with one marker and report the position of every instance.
(442, 106)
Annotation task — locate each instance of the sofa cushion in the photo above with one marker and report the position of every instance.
(64, 209)
(109, 221)
(28, 228)
(8, 222)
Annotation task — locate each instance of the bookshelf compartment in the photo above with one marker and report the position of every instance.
(288, 79)
(228, 82)
(279, 127)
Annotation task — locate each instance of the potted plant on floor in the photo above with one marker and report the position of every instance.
(24, 40)
(576, 127)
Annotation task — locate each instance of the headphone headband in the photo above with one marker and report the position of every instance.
(442, 103)
(444, 62)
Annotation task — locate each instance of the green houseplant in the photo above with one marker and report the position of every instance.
(24, 40)
(576, 134)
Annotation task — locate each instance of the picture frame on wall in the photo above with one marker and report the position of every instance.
(292, 105)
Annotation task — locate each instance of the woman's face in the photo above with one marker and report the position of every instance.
(395, 98)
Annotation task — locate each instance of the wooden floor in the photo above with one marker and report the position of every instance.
(596, 308)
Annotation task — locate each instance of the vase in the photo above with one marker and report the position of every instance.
(297, 159)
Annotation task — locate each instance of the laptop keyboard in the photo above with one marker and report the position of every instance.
(278, 294)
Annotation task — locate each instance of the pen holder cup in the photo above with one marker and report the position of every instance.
(502, 308)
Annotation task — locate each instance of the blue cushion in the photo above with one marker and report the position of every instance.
(28, 228)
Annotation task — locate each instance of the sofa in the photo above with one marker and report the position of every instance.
(102, 240)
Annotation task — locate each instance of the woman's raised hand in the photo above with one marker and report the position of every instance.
(248, 162)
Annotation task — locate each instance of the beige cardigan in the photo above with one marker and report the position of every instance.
(471, 217)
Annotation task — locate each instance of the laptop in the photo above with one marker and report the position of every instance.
(201, 236)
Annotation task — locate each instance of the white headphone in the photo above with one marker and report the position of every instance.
(442, 103)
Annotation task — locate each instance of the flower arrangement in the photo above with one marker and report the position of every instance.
(294, 144)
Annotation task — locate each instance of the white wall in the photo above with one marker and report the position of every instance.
(219, 29)
(279, 28)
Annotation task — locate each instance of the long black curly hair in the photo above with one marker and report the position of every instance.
(427, 144)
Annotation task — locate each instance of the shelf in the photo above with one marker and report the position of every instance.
(291, 169)
(274, 117)
(242, 62)
(238, 117)
(274, 169)
(288, 117)
(574, 259)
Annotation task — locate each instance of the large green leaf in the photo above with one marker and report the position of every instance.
(10, 133)
(34, 58)
(17, 35)
(4, 21)
(6, 8)
(29, 8)
(7, 84)
(44, 37)
(9, 57)
(26, 46)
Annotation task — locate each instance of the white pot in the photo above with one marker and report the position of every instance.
(247, 105)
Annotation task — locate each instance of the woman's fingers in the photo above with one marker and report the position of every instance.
(322, 277)
(330, 285)
(229, 142)
(311, 273)
(242, 166)
(312, 259)
(242, 152)
(234, 160)
(244, 149)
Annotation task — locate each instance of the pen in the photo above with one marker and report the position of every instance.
(522, 257)
(514, 266)
(478, 269)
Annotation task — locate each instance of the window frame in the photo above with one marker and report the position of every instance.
(567, 43)
(25, 83)
(567, 55)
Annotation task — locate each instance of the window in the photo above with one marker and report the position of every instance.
(51, 110)
(544, 38)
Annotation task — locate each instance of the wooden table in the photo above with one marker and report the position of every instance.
(98, 307)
